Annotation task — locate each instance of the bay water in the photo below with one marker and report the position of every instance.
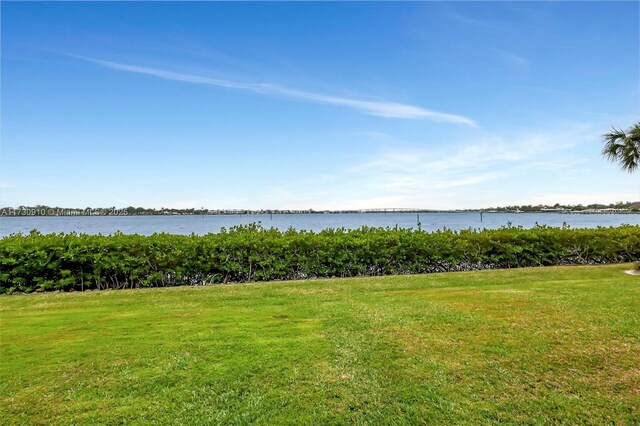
(188, 224)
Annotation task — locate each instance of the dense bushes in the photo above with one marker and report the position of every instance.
(37, 262)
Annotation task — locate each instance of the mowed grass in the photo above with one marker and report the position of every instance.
(523, 346)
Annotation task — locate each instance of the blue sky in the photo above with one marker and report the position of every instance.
(316, 105)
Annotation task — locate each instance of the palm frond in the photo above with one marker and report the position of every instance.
(623, 147)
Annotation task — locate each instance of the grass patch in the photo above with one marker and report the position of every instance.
(533, 346)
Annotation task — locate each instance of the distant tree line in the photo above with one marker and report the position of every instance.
(631, 206)
(44, 210)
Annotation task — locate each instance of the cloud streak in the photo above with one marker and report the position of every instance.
(482, 171)
(374, 108)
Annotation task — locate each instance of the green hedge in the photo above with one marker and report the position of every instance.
(37, 262)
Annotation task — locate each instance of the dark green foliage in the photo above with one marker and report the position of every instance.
(37, 262)
(623, 147)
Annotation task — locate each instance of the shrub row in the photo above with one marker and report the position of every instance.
(36, 262)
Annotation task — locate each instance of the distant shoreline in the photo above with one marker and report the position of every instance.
(15, 213)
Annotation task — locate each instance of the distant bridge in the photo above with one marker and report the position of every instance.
(393, 210)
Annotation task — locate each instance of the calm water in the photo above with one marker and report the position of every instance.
(147, 225)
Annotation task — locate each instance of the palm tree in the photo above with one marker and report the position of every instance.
(623, 147)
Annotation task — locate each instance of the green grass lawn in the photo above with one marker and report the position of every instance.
(526, 346)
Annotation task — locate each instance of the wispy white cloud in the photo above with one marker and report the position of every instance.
(477, 154)
(480, 23)
(375, 108)
(479, 171)
(514, 60)
(4, 185)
